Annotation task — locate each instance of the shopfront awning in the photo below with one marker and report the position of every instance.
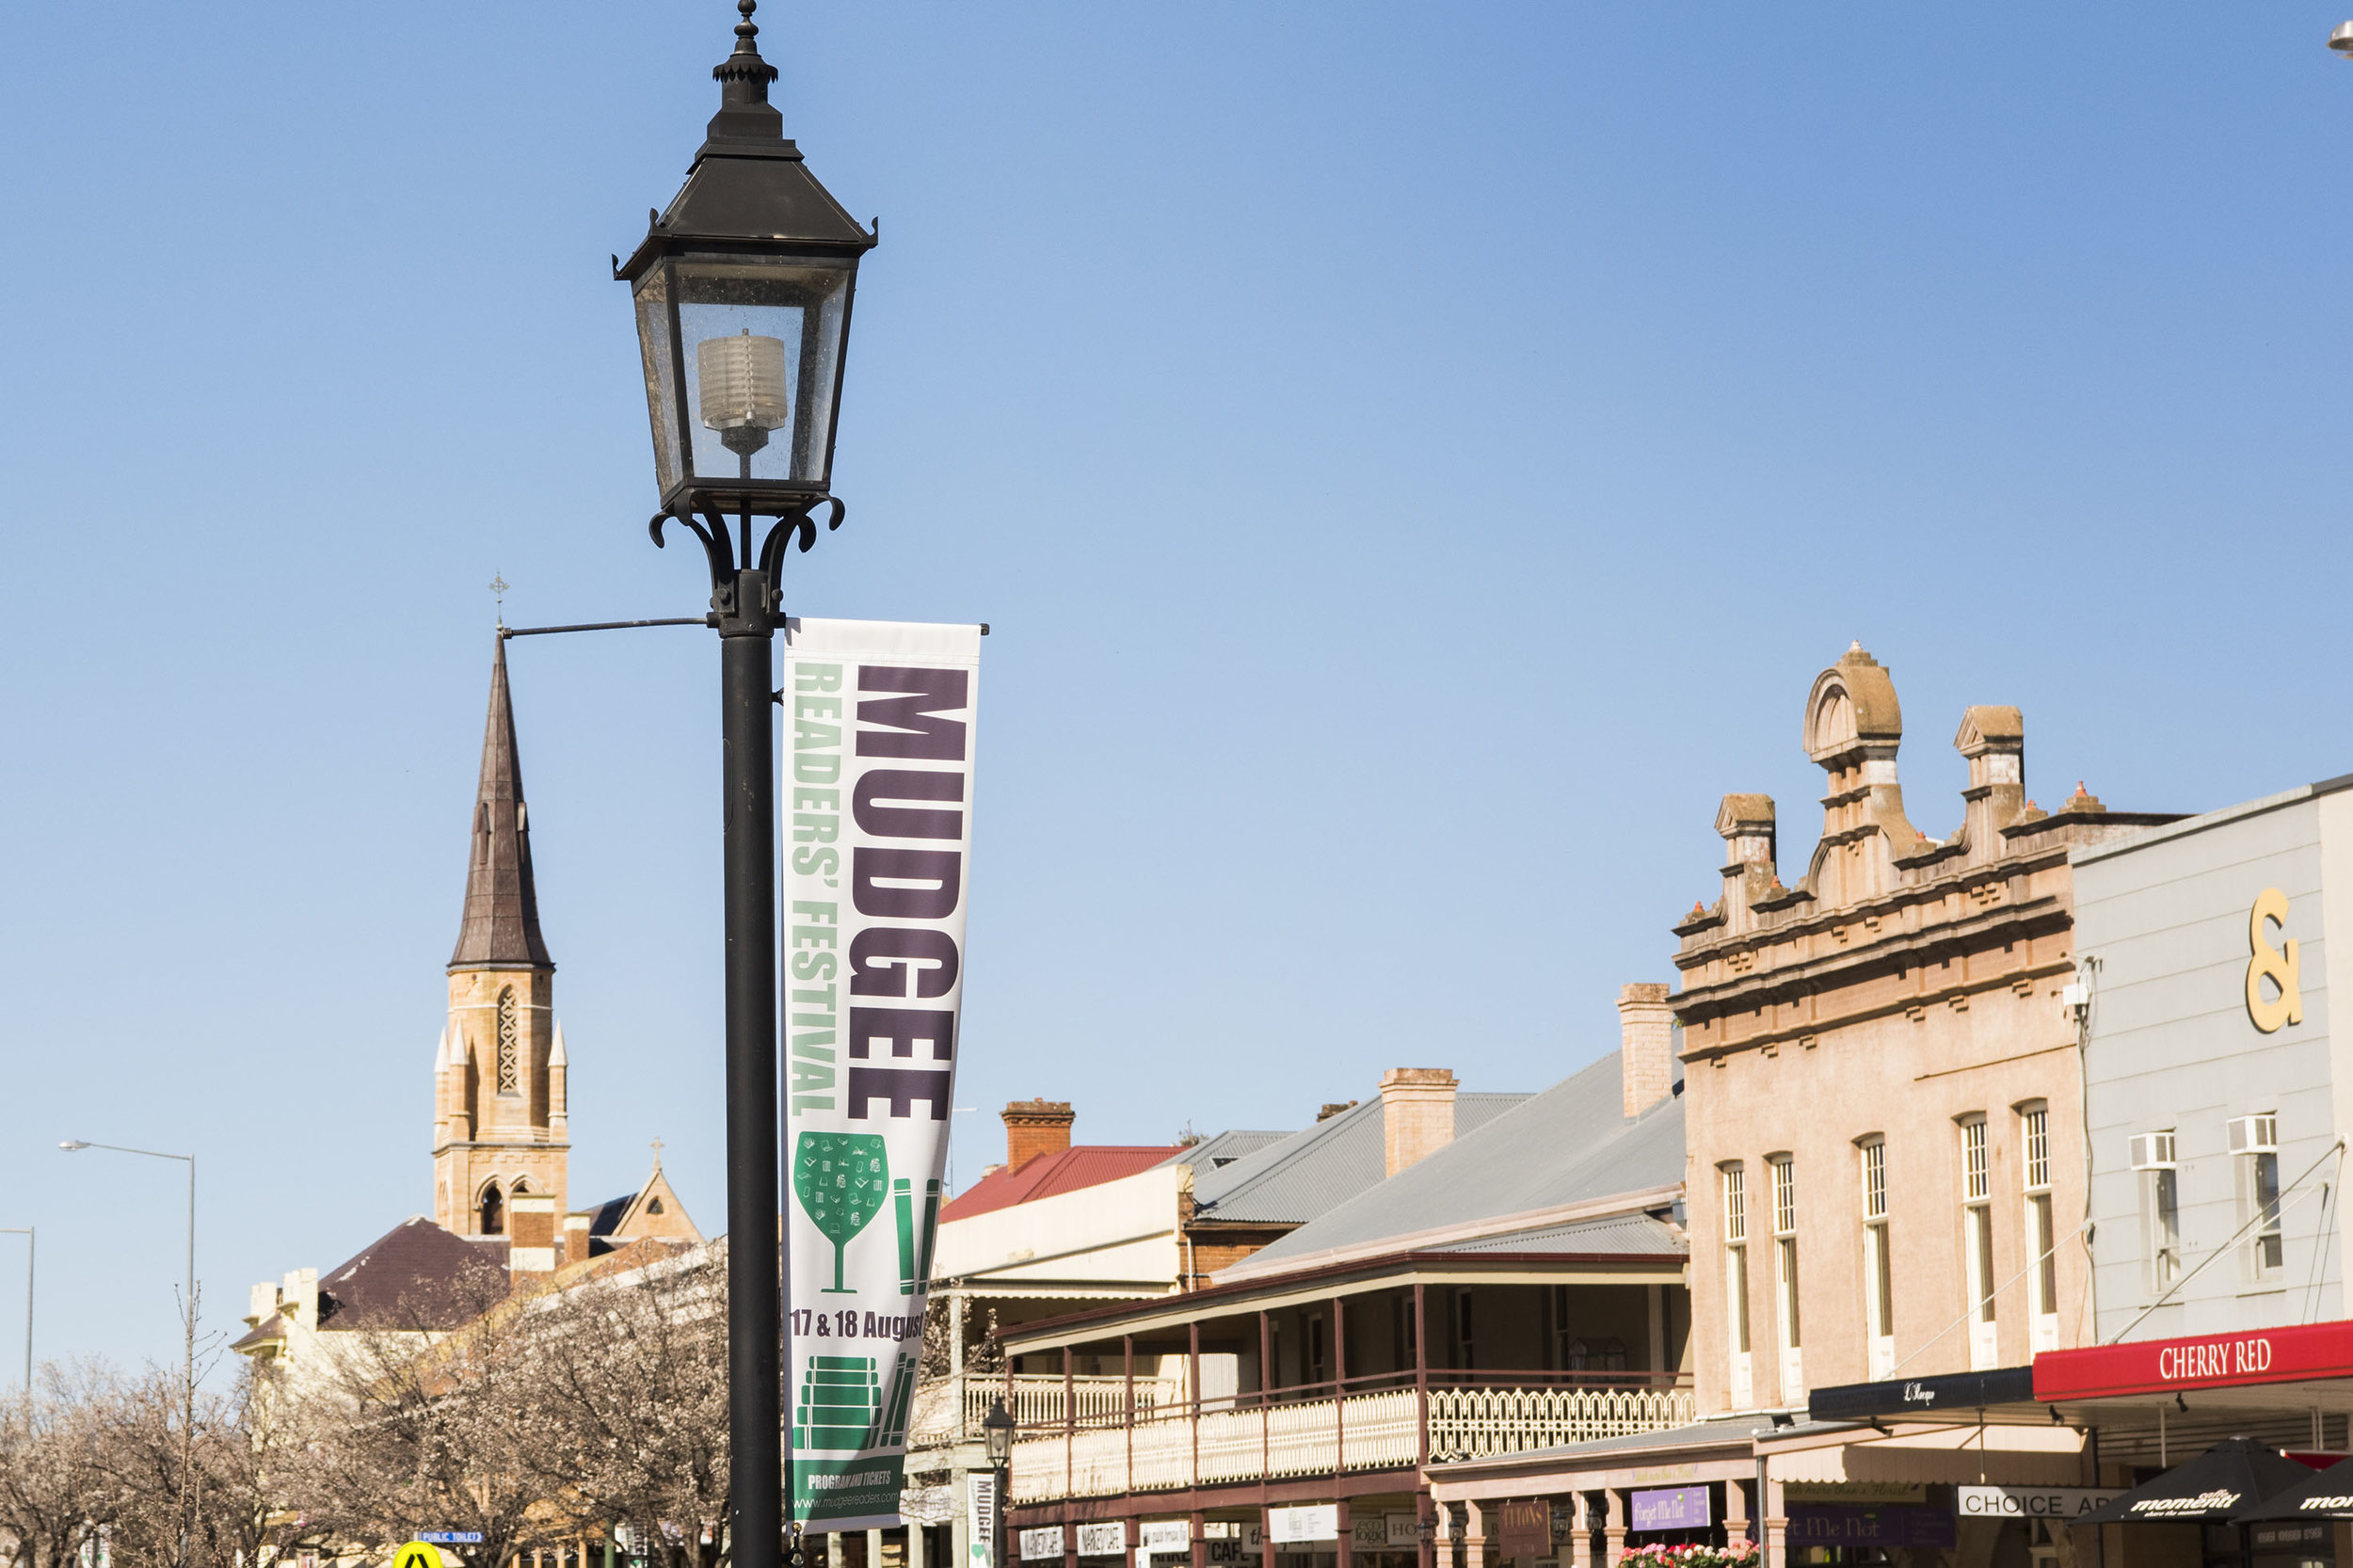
(2313, 1360)
(2324, 1494)
(2230, 1476)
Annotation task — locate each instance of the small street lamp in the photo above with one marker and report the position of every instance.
(997, 1438)
(741, 287)
(187, 1414)
(2342, 39)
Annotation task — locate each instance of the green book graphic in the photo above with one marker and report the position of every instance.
(840, 1403)
(890, 1425)
(841, 1178)
(915, 1260)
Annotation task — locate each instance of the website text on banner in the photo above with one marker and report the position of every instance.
(876, 827)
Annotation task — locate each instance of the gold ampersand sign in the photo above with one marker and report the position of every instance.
(2277, 965)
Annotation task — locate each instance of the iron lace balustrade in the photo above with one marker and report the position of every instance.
(1374, 1423)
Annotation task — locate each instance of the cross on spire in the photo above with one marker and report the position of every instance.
(657, 1154)
(498, 585)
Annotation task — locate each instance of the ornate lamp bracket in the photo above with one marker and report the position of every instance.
(734, 584)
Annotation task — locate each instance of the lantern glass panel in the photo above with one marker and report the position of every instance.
(653, 341)
(757, 356)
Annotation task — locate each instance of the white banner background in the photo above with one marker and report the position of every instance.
(874, 828)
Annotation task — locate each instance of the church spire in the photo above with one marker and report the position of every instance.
(501, 927)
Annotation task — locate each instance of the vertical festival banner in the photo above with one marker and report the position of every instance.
(876, 827)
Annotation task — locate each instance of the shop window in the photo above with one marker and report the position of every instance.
(1878, 1270)
(2255, 1150)
(1977, 1240)
(1786, 1275)
(1734, 1178)
(2034, 1127)
(2154, 1163)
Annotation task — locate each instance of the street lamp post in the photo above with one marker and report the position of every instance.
(742, 288)
(187, 1412)
(997, 1437)
(30, 1240)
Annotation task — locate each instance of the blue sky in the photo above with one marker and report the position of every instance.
(1413, 462)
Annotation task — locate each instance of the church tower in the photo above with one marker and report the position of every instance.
(499, 1116)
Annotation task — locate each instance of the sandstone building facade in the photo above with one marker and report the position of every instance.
(1886, 1157)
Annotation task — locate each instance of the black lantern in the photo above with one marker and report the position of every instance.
(997, 1432)
(743, 289)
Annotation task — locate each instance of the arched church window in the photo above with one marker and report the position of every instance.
(654, 1206)
(493, 1211)
(510, 1045)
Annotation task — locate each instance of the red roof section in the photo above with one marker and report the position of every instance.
(1066, 1171)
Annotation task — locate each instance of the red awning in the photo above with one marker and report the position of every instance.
(2297, 1355)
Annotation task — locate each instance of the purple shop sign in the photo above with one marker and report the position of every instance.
(1895, 1525)
(1671, 1508)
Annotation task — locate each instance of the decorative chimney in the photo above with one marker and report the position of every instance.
(1745, 822)
(1037, 1126)
(1994, 740)
(1417, 1114)
(1646, 1038)
(530, 1238)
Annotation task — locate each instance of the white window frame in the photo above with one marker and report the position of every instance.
(1787, 1320)
(1732, 1179)
(1976, 1241)
(2041, 1228)
(1879, 1277)
(2155, 1160)
(2255, 1155)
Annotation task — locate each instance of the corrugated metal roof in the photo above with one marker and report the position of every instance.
(1618, 1233)
(1065, 1171)
(1570, 1144)
(1215, 1154)
(1318, 1168)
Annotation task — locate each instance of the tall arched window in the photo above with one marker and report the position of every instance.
(493, 1211)
(510, 1045)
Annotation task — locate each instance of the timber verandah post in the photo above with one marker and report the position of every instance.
(1069, 1427)
(1193, 1386)
(1339, 1395)
(1266, 1405)
(1426, 1550)
(1128, 1349)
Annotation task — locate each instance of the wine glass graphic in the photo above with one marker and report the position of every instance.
(844, 1180)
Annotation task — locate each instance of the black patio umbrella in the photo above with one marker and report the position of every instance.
(2236, 1473)
(2323, 1495)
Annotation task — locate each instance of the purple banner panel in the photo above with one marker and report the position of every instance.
(1836, 1525)
(1671, 1508)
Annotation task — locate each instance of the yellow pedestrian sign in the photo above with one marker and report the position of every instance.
(417, 1554)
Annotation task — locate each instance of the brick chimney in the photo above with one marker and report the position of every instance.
(530, 1238)
(1037, 1126)
(1646, 1043)
(575, 1239)
(1417, 1114)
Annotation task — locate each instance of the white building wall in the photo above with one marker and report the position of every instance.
(2162, 925)
(1116, 1232)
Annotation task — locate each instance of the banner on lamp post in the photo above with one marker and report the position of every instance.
(874, 828)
